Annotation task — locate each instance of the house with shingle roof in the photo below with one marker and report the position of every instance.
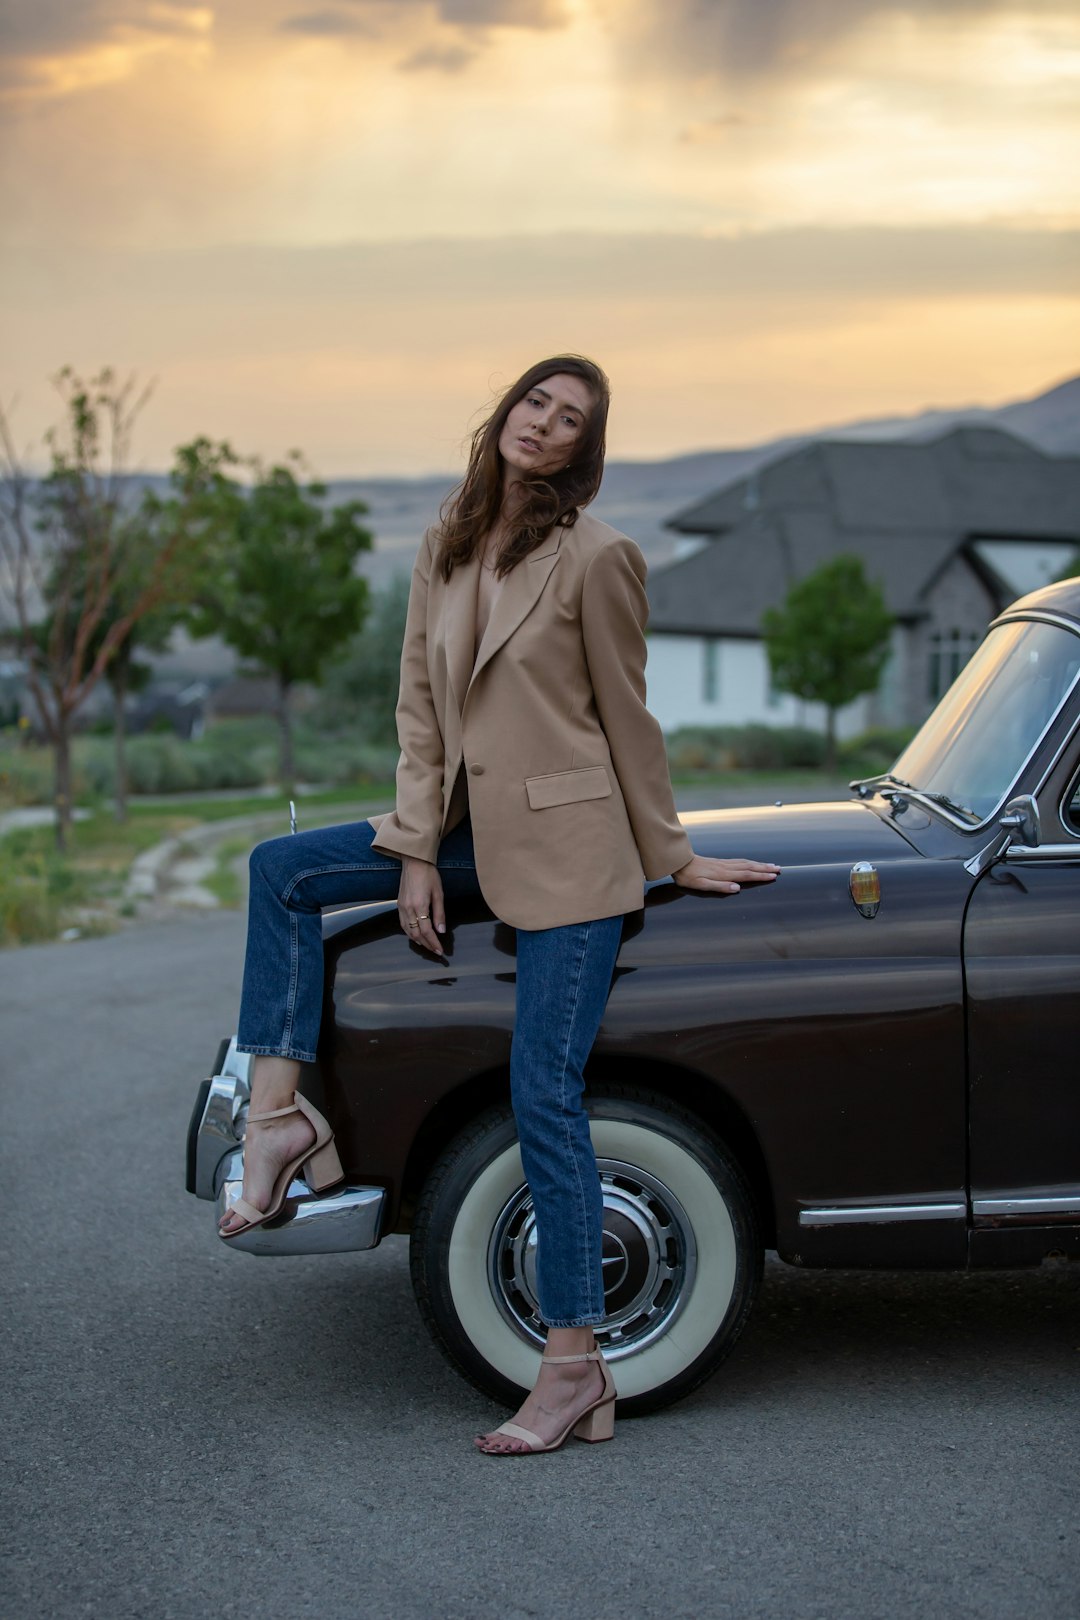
(952, 529)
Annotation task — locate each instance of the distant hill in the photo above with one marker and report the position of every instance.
(638, 496)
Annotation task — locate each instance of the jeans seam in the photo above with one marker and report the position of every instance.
(294, 975)
(325, 871)
(571, 1154)
(366, 866)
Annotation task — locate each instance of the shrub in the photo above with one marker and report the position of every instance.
(34, 887)
(232, 755)
(26, 773)
(28, 912)
(343, 761)
(875, 750)
(753, 748)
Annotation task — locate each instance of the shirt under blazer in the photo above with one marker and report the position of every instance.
(545, 724)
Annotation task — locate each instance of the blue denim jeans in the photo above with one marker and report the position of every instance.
(563, 979)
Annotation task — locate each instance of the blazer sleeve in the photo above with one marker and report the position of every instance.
(414, 825)
(614, 612)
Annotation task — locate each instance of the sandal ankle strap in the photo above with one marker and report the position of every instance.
(589, 1355)
(275, 1113)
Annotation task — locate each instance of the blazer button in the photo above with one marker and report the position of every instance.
(477, 770)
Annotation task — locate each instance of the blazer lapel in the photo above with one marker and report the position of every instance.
(521, 590)
(461, 627)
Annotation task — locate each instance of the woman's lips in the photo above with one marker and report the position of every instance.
(529, 444)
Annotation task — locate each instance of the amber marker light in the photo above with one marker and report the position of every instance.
(865, 886)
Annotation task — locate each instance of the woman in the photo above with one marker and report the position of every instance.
(531, 769)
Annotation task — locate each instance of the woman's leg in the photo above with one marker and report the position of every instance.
(292, 879)
(563, 979)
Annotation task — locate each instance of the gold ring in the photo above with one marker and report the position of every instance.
(423, 917)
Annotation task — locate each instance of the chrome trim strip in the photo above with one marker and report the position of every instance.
(1044, 615)
(1069, 1204)
(338, 1222)
(1070, 782)
(1047, 852)
(869, 1214)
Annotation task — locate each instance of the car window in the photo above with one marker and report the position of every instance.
(974, 745)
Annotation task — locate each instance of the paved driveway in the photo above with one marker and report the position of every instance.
(193, 1432)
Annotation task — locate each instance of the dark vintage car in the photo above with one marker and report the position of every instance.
(871, 1062)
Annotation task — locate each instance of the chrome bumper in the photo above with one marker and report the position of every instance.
(347, 1218)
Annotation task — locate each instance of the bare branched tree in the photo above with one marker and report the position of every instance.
(74, 582)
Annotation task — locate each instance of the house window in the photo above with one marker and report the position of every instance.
(949, 652)
(710, 670)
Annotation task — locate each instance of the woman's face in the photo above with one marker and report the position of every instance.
(542, 429)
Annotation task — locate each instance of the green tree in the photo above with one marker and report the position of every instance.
(281, 588)
(80, 571)
(829, 641)
(362, 684)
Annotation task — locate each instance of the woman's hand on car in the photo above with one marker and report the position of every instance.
(420, 904)
(711, 876)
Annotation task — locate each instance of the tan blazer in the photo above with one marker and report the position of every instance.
(566, 774)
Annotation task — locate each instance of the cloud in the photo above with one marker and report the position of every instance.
(438, 59)
(760, 39)
(50, 27)
(475, 14)
(325, 24)
(504, 13)
(52, 49)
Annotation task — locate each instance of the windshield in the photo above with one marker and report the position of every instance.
(972, 748)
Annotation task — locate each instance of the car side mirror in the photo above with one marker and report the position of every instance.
(1020, 818)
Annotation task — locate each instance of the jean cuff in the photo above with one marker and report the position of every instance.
(276, 1051)
(575, 1321)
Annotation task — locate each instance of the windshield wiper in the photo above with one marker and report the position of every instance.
(948, 804)
(866, 786)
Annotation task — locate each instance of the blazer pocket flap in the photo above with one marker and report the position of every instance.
(567, 787)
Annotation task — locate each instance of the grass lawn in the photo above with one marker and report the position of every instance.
(43, 892)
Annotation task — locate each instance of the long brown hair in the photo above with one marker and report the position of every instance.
(472, 509)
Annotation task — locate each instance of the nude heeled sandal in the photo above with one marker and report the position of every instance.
(319, 1162)
(597, 1422)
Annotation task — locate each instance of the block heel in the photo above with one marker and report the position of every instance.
(599, 1424)
(323, 1169)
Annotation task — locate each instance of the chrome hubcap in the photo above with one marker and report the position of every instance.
(649, 1260)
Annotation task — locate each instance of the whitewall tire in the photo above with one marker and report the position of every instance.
(682, 1258)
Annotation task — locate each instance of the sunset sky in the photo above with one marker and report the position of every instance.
(337, 225)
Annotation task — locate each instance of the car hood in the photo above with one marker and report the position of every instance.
(844, 831)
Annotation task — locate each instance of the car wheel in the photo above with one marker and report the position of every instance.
(682, 1257)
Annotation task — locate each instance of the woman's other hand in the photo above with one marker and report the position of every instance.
(723, 877)
(420, 904)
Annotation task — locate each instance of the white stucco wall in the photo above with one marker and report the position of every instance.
(676, 676)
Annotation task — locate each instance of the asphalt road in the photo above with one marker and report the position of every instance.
(192, 1432)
